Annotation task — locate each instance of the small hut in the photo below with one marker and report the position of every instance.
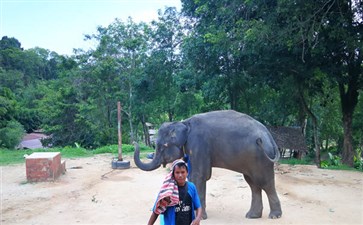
(290, 141)
(151, 131)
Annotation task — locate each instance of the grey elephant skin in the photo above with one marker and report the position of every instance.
(225, 139)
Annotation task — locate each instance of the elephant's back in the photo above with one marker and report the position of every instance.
(228, 127)
(225, 119)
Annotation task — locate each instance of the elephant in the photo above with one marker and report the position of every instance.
(224, 139)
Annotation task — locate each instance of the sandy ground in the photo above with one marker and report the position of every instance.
(91, 192)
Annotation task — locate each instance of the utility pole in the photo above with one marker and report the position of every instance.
(119, 163)
(119, 131)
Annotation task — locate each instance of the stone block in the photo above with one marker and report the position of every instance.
(42, 166)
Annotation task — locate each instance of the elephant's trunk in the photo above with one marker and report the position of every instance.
(154, 164)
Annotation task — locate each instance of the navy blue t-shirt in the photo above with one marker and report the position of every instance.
(183, 211)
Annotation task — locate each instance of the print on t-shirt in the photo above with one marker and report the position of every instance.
(183, 211)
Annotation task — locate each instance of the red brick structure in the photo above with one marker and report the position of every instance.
(42, 166)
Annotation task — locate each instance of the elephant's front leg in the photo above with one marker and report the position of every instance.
(256, 202)
(201, 187)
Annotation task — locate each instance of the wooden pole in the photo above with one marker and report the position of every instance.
(119, 131)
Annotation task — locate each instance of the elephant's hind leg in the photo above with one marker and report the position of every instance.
(273, 199)
(256, 203)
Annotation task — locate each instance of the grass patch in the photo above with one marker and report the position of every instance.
(8, 157)
(294, 161)
(106, 149)
(125, 149)
(341, 167)
(73, 152)
(13, 156)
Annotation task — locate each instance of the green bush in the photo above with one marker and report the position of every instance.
(358, 160)
(106, 149)
(293, 161)
(70, 152)
(11, 134)
(126, 148)
(334, 161)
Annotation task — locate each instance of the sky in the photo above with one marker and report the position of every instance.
(60, 25)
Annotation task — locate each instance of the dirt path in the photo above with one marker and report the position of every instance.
(92, 193)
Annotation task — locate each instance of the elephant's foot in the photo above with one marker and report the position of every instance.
(204, 215)
(275, 214)
(254, 214)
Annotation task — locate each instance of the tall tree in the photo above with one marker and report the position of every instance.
(217, 50)
(6, 43)
(341, 48)
(115, 66)
(165, 63)
(296, 38)
(327, 35)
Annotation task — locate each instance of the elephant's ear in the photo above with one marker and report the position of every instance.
(187, 125)
(178, 133)
(172, 133)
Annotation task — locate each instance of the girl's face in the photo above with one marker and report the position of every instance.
(180, 175)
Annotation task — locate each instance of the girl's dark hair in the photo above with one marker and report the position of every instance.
(181, 165)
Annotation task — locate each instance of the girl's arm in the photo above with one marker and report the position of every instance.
(153, 218)
(198, 217)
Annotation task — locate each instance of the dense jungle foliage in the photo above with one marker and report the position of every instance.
(286, 63)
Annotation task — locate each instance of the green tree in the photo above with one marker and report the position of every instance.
(11, 131)
(11, 134)
(6, 43)
(341, 48)
(12, 79)
(116, 67)
(216, 50)
(8, 106)
(326, 35)
(275, 40)
(164, 66)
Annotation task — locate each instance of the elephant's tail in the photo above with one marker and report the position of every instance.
(273, 156)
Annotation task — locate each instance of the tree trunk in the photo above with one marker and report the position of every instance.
(132, 136)
(316, 141)
(315, 127)
(146, 134)
(170, 116)
(145, 130)
(349, 99)
(129, 116)
(348, 151)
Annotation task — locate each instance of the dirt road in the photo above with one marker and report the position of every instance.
(92, 193)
